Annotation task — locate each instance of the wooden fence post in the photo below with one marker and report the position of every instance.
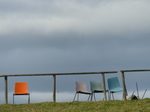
(6, 90)
(104, 86)
(54, 88)
(124, 86)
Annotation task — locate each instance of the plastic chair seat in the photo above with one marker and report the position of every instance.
(116, 90)
(83, 92)
(99, 91)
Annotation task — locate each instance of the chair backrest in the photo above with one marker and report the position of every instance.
(113, 83)
(81, 86)
(21, 88)
(96, 86)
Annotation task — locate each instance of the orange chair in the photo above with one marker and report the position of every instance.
(21, 88)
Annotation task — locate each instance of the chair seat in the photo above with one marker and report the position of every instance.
(84, 92)
(22, 94)
(116, 90)
(99, 91)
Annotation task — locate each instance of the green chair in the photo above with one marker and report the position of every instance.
(96, 87)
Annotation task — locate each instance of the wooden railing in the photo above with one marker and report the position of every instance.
(123, 79)
(79, 73)
(54, 81)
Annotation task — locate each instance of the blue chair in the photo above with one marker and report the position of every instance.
(96, 87)
(114, 86)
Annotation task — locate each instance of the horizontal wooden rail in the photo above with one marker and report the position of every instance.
(54, 80)
(77, 73)
(139, 70)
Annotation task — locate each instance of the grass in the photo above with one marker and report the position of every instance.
(99, 106)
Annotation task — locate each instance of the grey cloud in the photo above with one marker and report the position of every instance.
(74, 51)
(112, 17)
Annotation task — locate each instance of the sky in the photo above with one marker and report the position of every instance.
(55, 36)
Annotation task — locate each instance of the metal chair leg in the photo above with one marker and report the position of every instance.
(77, 96)
(110, 95)
(74, 96)
(29, 98)
(113, 96)
(90, 96)
(94, 97)
(13, 98)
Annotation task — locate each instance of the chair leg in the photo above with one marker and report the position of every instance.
(113, 96)
(110, 96)
(90, 96)
(77, 96)
(74, 96)
(13, 98)
(94, 97)
(29, 98)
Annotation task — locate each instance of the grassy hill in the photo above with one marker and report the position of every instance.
(99, 106)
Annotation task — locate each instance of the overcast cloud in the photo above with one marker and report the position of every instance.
(53, 36)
